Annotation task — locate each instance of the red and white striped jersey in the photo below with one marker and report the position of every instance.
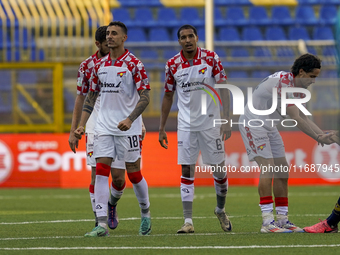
(118, 82)
(263, 97)
(83, 84)
(191, 79)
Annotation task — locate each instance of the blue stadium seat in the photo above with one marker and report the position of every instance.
(263, 57)
(16, 56)
(281, 16)
(144, 18)
(329, 51)
(27, 77)
(139, 3)
(69, 100)
(336, 2)
(275, 34)
(150, 59)
(311, 50)
(40, 53)
(328, 15)
(166, 17)
(258, 16)
(174, 34)
(158, 34)
(190, 15)
(260, 74)
(6, 92)
(329, 74)
(201, 34)
(169, 53)
(323, 33)
(228, 34)
(237, 74)
(285, 56)
(304, 15)
(232, 2)
(136, 35)
(221, 53)
(240, 57)
(296, 33)
(235, 17)
(252, 34)
(123, 15)
(219, 20)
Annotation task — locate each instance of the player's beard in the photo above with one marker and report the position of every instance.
(103, 53)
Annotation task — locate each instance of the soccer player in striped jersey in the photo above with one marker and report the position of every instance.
(121, 80)
(117, 167)
(191, 73)
(264, 143)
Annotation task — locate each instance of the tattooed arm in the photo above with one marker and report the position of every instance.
(90, 100)
(143, 102)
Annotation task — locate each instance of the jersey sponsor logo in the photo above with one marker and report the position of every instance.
(111, 85)
(203, 70)
(261, 147)
(6, 161)
(121, 74)
(101, 73)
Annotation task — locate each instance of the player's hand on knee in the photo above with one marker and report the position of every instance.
(163, 139)
(325, 139)
(225, 132)
(79, 132)
(124, 125)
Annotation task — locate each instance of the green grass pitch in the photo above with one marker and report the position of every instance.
(54, 221)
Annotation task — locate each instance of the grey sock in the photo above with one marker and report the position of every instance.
(102, 219)
(220, 201)
(114, 200)
(187, 209)
(145, 210)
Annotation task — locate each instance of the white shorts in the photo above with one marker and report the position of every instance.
(209, 142)
(261, 142)
(91, 161)
(125, 148)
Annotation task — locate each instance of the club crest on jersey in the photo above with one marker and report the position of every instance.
(121, 74)
(203, 70)
(90, 153)
(261, 147)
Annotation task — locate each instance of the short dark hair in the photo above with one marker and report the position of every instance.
(119, 24)
(186, 27)
(307, 62)
(101, 34)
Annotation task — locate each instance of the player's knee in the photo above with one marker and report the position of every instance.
(186, 171)
(118, 182)
(135, 177)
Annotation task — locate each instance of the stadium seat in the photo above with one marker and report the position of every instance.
(136, 35)
(139, 3)
(328, 15)
(252, 34)
(166, 17)
(323, 33)
(190, 15)
(310, 2)
(69, 100)
(201, 34)
(221, 53)
(228, 34)
(281, 16)
(235, 17)
(258, 16)
(40, 57)
(275, 34)
(311, 50)
(327, 74)
(237, 74)
(144, 18)
(6, 92)
(240, 57)
(219, 20)
(285, 56)
(337, 2)
(158, 34)
(16, 56)
(232, 2)
(263, 57)
(304, 15)
(169, 53)
(123, 15)
(260, 74)
(296, 33)
(150, 59)
(329, 51)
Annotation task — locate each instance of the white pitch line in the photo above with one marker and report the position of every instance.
(178, 247)
(125, 236)
(153, 218)
(177, 195)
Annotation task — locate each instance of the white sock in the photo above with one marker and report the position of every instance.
(101, 195)
(141, 191)
(93, 202)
